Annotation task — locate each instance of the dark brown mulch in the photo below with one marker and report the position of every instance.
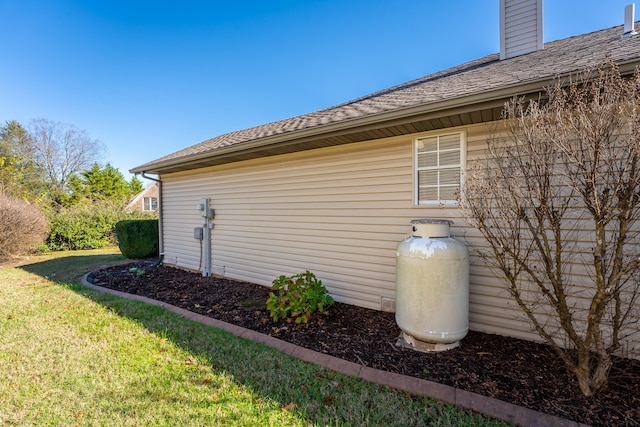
(516, 371)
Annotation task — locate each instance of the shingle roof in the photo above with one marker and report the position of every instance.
(482, 76)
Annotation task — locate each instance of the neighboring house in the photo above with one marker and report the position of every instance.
(145, 201)
(334, 191)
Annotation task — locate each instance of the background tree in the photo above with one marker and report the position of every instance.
(105, 183)
(87, 212)
(62, 150)
(53, 165)
(136, 185)
(558, 201)
(20, 176)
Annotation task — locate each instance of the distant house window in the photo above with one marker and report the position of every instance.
(150, 204)
(439, 161)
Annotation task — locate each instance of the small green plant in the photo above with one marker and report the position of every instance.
(137, 271)
(298, 297)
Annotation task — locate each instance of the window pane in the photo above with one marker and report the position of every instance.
(427, 160)
(428, 193)
(450, 176)
(448, 158)
(427, 144)
(154, 203)
(449, 142)
(448, 193)
(429, 177)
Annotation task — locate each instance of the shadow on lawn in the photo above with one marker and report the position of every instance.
(70, 268)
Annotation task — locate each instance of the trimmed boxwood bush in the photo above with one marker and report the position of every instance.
(138, 238)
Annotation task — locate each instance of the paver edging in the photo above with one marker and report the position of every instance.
(489, 406)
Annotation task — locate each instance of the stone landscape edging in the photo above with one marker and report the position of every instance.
(489, 406)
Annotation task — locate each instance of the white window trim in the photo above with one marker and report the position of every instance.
(463, 165)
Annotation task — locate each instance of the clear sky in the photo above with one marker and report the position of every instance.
(148, 78)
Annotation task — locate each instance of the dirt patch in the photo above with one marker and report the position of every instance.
(516, 371)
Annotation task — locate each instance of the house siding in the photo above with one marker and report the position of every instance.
(341, 211)
(521, 22)
(338, 212)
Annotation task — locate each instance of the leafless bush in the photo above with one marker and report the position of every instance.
(558, 201)
(23, 227)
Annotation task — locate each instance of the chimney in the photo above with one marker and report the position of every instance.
(629, 17)
(520, 27)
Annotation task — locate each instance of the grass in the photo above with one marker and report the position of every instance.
(73, 356)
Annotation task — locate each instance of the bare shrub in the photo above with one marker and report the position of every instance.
(23, 227)
(558, 201)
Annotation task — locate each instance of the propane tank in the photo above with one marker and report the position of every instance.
(432, 287)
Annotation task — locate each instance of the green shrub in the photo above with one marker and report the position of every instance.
(89, 225)
(80, 227)
(138, 238)
(298, 297)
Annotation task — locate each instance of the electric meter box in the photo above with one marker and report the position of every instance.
(198, 233)
(203, 207)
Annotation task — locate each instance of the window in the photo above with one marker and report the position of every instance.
(150, 204)
(438, 168)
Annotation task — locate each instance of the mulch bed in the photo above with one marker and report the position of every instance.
(524, 373)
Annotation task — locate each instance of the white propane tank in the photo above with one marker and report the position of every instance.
(432, 287)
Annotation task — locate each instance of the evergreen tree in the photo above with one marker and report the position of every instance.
(98, 183)
(136, 185)
(20, 175)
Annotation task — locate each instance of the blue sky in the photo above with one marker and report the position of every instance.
(148, 78)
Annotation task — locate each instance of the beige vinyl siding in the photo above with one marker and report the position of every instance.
(491, 308)
(488, 294)
(338, 212)
(521, 31)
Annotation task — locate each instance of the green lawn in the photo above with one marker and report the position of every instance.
(72, 356)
